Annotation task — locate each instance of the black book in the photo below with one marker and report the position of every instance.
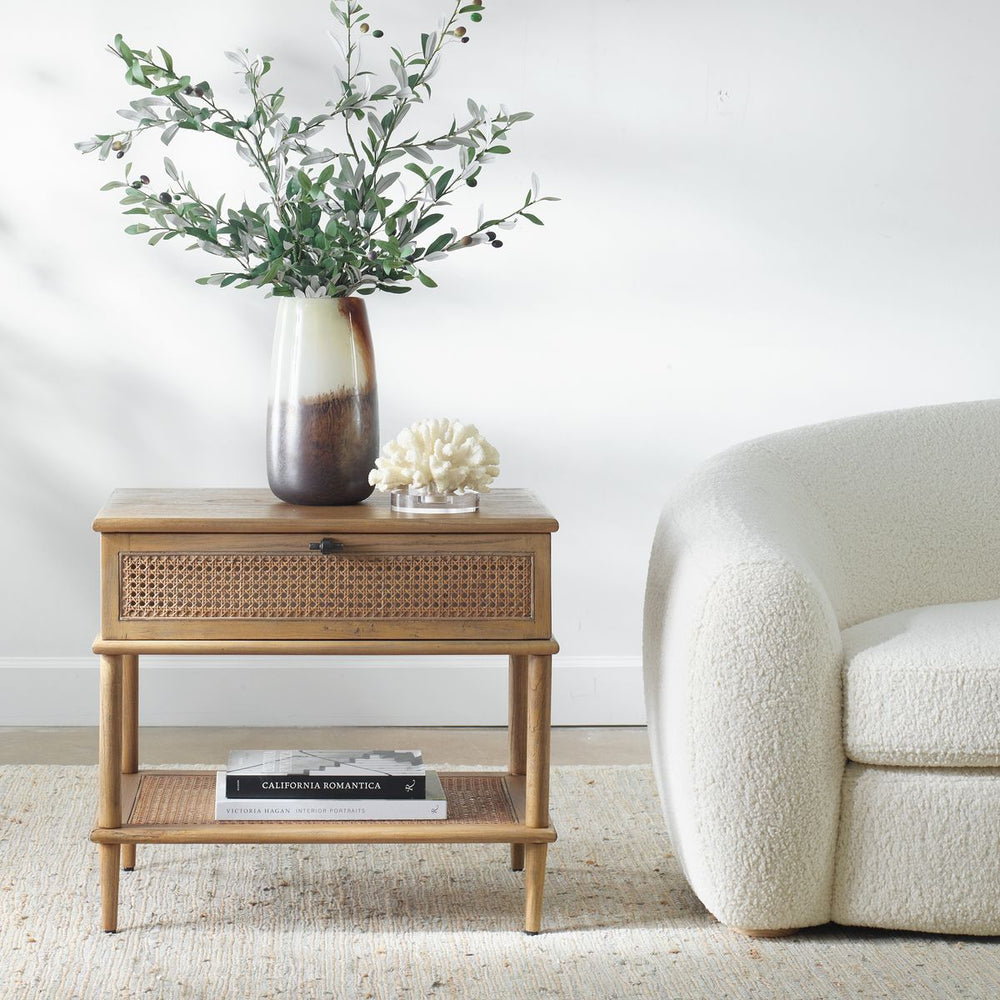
(326, 774)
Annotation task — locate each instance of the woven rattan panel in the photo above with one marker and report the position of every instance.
(189, 800)
(252, 586)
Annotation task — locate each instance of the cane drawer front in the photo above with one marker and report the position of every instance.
(434, 586)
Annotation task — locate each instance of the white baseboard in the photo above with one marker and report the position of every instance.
(318, 691)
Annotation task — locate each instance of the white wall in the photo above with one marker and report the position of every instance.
(774, 213)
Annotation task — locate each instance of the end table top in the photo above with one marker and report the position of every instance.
(258, 510)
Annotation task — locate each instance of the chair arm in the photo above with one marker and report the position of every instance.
(742, 671)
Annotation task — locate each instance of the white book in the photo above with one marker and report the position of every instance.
(432, 806)
(321, 774)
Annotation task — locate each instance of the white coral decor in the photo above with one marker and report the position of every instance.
(437, 456)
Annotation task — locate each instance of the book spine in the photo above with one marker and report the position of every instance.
(270, 786)
(383, 809)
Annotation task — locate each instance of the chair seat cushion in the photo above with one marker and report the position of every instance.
(922, 687)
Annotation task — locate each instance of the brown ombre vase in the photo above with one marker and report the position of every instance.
(322, 418)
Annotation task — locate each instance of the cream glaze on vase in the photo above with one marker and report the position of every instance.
(322, 424)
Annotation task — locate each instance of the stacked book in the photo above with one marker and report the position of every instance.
(328, 785)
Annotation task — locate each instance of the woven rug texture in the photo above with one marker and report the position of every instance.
(335, 922)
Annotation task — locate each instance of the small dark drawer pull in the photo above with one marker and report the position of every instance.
(327, 545)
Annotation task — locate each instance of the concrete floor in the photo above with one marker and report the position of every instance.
(209, 745)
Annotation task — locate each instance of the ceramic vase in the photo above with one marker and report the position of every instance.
(322, 421)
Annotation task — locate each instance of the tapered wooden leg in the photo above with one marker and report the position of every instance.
(539, 710)
(110, 861)
(109, 798)
(130, 735)
(517, 722)
(536, 804)
(534, 886)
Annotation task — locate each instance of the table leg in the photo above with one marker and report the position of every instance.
(130, 735)
(110, 858)
(517, 724)
(534, 883)
(109, 793)
(539, 712)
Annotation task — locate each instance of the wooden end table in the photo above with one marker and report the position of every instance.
(239, 572)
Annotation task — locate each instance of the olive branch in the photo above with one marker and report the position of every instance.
(334, 222)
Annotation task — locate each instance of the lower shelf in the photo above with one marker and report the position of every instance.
(178, 807)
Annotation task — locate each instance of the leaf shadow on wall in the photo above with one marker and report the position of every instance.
(79, 416)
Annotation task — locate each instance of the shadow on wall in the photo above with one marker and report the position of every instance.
(68, 427)
(91, 399)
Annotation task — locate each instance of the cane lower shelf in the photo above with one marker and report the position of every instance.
(178, 807)
(239, 573)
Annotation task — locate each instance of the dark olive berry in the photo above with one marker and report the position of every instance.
(198, 92)
(491, 236)
(119, 154)
(465, 39)
(166, 198)
(143, 179)
(472, 182)
(377, 33)
(137, 184)
(189, 91)
(497, 244)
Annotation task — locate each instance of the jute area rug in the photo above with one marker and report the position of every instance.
(374, 923)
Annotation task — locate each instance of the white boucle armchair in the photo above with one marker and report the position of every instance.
(822, 671)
